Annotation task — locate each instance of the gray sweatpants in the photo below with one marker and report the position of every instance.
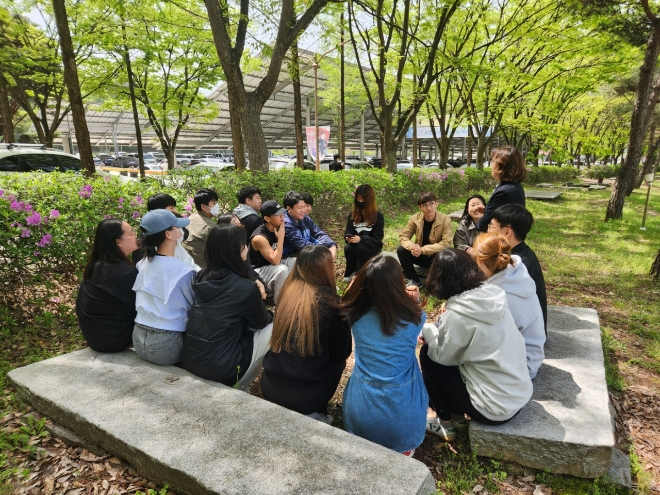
(274, 276)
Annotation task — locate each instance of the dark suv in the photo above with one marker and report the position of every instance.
(32, 161)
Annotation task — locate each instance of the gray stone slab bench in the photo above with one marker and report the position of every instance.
(543, 195)
(201, 437)
(567, 425)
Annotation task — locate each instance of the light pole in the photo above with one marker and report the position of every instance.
(649, 180)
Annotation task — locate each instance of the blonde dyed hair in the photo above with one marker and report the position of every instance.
(309, 289)
(493, 250)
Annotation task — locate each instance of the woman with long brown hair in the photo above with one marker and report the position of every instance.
(364, 233)
(385, 400)
(311, 339)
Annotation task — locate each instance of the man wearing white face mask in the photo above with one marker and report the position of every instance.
(201, 223)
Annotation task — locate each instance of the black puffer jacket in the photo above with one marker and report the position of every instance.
(219, 335)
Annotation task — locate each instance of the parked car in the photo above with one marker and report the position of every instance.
(376, 162)
(357, 165)
(284, 163)
(212, 163)
(125, 162)
(404, 164)
(148, 158)
(17, 158)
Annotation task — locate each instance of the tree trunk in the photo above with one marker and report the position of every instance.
(389, 155)
(73, 88)
(131, 90)
(638, 125)
(655, 267)
(5, 112)
(294, 71)
(254, 133)
(236, 132)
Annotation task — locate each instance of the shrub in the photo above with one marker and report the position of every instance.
(602, 171)
(549, 173)
(49, 219)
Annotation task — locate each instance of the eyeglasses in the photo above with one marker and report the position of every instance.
(428, 205)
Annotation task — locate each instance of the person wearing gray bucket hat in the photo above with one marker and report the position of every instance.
(163, 290)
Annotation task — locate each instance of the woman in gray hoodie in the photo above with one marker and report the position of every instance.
(493, 255)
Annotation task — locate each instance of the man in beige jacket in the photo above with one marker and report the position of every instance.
(432, 232)
(201, 223)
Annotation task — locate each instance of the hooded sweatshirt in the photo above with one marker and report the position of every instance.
(525, 308)
(478, 334)
(248, 217)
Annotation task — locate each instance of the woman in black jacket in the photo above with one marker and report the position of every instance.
(105, 305)
(508, 167)
(364, 233)
(311, 339)
(229, 327)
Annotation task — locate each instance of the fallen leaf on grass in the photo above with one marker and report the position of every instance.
(538, 490)
(49, 485)
(477, 488)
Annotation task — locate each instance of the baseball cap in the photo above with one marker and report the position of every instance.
(159, 220)
(271, 207)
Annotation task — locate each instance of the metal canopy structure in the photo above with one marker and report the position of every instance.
(108, 128)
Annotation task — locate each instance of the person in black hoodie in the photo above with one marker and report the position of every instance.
(364, 232)
(508, 167)
(311, 339)
(229, 327)
(105, 305)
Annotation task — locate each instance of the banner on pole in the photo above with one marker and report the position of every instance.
(324, 139)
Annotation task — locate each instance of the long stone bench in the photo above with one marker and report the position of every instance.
(201, 437)
(567, 425)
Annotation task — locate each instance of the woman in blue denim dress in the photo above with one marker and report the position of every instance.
(385, 400)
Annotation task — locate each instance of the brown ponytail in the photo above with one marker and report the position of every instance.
(493, 250)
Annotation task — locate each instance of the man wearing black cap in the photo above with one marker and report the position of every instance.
(266, 244)
(335, 165)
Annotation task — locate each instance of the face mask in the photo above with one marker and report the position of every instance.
(215, 210)
(179, 240)
(361, 204)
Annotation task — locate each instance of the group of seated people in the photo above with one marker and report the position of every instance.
(193, 292)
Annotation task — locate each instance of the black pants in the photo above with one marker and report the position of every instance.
(307, 400)
(447, 392)
(408, 262)
(357, 255)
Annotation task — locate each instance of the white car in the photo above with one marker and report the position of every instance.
(404, 164)
(285, 163)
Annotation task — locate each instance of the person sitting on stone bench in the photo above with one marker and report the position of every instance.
(309, 202)
(105, 305)
(365, 229)
(432, 232)
(229, 326)
(201, 223)
(300, 229)
(311, 338)
(514, 222)
(493, 255)
(247, 211)
(163, 290)
(467, 230)
(385, 400)
(474, 359)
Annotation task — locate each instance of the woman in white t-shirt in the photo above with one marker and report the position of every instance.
(163, 290)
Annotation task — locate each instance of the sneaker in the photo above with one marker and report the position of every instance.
(410, 282)
(323, 418)
(409, 453)
(460, 423)
(441, 429)
(348, 278)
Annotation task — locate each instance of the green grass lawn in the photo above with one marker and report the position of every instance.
(586, 262)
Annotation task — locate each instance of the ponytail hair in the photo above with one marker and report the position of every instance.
(493, 250)
(149, 243)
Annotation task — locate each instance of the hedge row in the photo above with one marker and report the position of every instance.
(48, 220)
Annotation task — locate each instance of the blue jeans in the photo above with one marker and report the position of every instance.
(157, 346)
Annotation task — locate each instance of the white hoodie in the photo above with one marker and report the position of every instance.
(525, 308)
(478, 334)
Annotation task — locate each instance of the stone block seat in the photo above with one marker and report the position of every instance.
(567, 426)
(202, 437)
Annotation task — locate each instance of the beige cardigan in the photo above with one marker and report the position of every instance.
(440, 237)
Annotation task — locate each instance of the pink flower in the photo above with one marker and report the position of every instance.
(34, 219)
(54, 214)
(107, 216)
(2, 193)
(16, 225)
(37, 253)
(25, 233)
(17, 205)
(121, 200)
(11, 197)
(139, 200)
(107, 178)
(45, 240)
(86, 191)
(28, 207)
(136, 214)
(120, 206)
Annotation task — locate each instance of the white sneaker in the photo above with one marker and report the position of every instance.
(349, 278)
(435, 426)
(323, 418)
